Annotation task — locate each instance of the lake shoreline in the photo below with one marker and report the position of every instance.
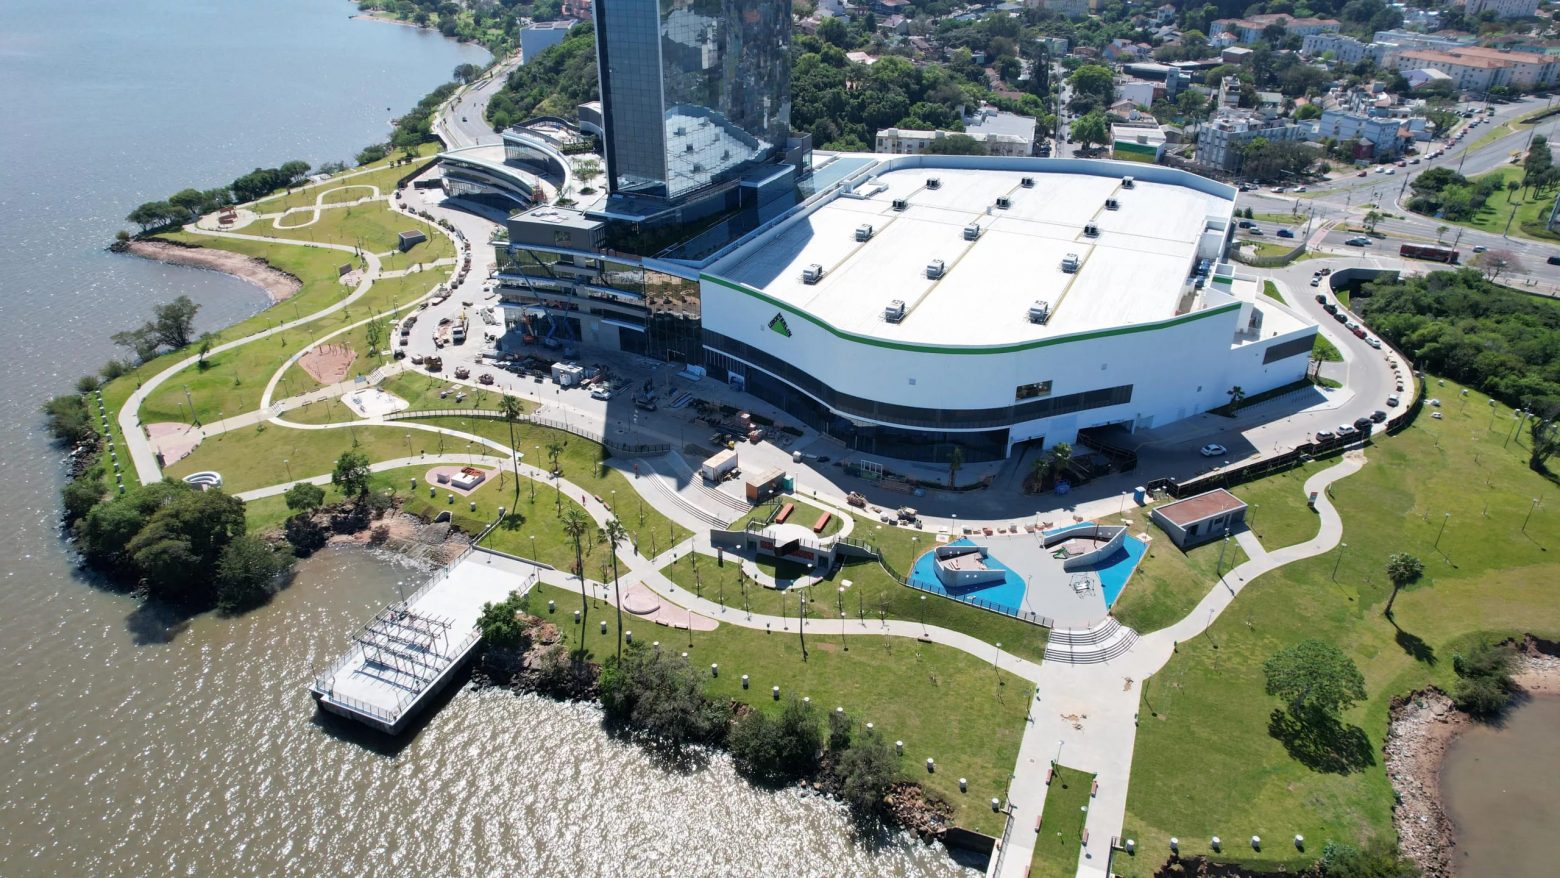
(1421, 730)
(278, 285)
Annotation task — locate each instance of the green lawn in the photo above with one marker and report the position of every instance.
(944, 704)
(1277, 512)
(1059, 842)
(381, 174)
(1325, 350)
(1270, 290)
(1168, 582)
(373, 226)
(1205, 762)
(1283, 219)
(1496, 215)
(1263, 249)
(873, 593)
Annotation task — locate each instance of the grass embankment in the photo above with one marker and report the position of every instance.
(944, 704)
(1325, 350)
(1169, 582)
(421, 392)
(1282, 219)
(1060, 839)
(1532, 209)
(373, 226)
(1270, 290)
(382, 174)
(265, 454)
(874, 594)
(1206, 763)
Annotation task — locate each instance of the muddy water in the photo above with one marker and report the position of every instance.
(1498, 786)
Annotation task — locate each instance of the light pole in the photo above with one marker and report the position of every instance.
(913, 547)
(1520, 417)
(923, 614)
(996, 656)
(801, 623)
(1529, 515)
(1444, 519)
(1338, 560)
(1219, 570)
(1493, 412)
(288, 463)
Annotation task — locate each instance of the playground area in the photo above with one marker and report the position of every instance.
(374, 403)
(328, 363)
(1070, 575)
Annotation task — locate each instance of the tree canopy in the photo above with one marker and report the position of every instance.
(1314, 677)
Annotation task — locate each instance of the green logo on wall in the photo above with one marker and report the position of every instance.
(778, 324)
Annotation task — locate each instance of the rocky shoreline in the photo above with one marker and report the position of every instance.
(1422, 727)
(277, 284)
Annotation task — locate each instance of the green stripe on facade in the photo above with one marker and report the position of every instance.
(944, 349)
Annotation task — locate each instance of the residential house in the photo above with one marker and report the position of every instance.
(1221, 142)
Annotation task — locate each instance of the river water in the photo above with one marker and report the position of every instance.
(135, 744)
(1497, 784)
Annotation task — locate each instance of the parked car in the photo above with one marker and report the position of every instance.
(1211, 450)
(1362, 423)
(1278, 190)
(1346, 430)
(1316, 282)
(1363, 174)
(1325, 435)
(1330, 308)
(1392, 402)
(1321, 298)
(1324, 271)
(1374, 342)
(1298, 189)
(1378, 416)
(1340, 316)
(1245, 224)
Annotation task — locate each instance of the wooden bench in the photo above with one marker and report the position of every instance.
(785, 512)
(823, 522)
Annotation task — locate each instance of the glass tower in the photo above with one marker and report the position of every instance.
(692, 91)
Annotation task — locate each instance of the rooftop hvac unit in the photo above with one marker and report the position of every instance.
(864, 232)
(900, 204)
(935, 268)
(1039, 312)
(972, 231)
(1091, 231)
(933, 183)
(1004, 202)
(1027, 182)
(1070, 263)
(812, 273)
(687, 147)
(1112, 204)
(680, 131)
(1127, 182)
(895, 311)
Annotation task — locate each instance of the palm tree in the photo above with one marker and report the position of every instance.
(554, 451)
(576, 525)
(1236, 396)
(1061, 457)
(1402, 569)
(512, 409)
(616, 534)
(955, 461)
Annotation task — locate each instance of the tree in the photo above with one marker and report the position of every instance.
(1440, 233)
(1314, 679)
(956, 144)
(1094, 88)
(248, 573)
(152, 214)
(1544, 432)
(576, 526)
(511, 409)
(1307, 111)
(1484, 681)
(1090, 129)
(1371, 219)
(1380, 860)
(865, 772)
(374, 337)
(173, 323)
(142, 342)
(616, 534)
(1061, 455)
(661, 695)
(1496, 262)
(1237, 396)
(955, 462)
(1402, 569)
(304, 497)
(778, 750)
(505, 625)
(351, 475)
(188, 200)
(465, 72)
(175, 551)
(555, 451)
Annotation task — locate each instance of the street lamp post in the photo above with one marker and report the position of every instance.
(1444, 519)
(1219, 570)
(801, 623)
(923, 613)
(1529, 515)
(288, 463)
(1338, 560)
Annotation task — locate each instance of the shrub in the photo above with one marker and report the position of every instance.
(781, 749)
(865, 771)
(249, 571)
(68, 420)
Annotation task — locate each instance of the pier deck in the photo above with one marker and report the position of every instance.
(411, 649)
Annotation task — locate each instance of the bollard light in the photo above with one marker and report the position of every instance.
(775, 692)
(1175, 845)
(714, 670)
(628, 636)
(1256, 842)
(1299, 842)
(1215, 844)
(744, 681)
(899, 747)
(931, 766)
(964, 785)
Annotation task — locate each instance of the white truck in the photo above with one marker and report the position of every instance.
(718, 467)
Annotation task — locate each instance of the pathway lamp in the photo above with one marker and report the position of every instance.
(1444, 519)
(1529, 515)
(1338, 560)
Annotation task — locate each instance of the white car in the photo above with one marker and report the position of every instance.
(1211, 450)
(1374, 342)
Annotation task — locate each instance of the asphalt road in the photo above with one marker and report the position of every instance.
(461, 123)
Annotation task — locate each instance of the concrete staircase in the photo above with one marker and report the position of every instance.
(1088, 646)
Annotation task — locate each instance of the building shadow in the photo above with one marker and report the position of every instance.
(1321, 743)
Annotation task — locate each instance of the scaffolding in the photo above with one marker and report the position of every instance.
(406, 649)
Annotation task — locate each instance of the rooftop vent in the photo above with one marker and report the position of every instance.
(933, 183)
(812, 273)
(935, 268)
(1027, 182)
(864, 232)
(900, 204)
(688, 147)
(1070, 263)
(972, 231)
(1112, 204)
(1127, 182)
(680, 131)
(1004, 202)
(895, 311)
(1091, 231)
(1039, 312)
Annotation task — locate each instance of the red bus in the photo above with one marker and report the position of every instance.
(1424, 251)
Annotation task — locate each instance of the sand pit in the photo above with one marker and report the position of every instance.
(328, 364)
(174, 441)
(374, 403)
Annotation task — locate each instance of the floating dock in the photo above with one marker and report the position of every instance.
(411, 649)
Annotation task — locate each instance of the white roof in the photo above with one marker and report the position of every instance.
(1134, 272)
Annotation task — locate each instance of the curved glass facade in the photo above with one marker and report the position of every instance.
(693, 91)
